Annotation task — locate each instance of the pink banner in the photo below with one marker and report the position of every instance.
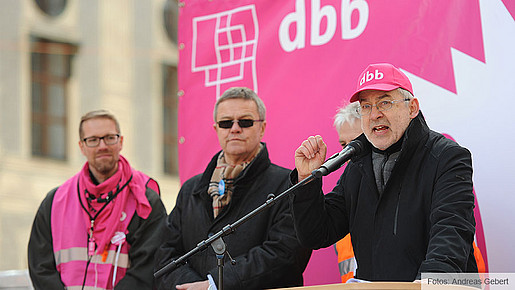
(303, 59)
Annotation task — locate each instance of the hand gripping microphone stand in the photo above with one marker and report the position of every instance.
(216, 240)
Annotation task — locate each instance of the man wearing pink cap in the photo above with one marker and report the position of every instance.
(406, 198)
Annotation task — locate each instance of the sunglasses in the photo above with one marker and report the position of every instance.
(243, 123)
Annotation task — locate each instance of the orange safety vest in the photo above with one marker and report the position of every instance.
(346, 260)
(347, 263)
(481, 268)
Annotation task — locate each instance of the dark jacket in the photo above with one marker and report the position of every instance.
(265, 248)
(142, 236)
(423, 222)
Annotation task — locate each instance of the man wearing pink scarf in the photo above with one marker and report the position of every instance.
(98, 230)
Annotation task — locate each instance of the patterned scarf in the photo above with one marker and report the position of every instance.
(222, 181)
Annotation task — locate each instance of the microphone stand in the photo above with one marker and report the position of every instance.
(216, 240)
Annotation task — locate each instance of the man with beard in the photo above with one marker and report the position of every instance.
(406, 199)
(99, 228)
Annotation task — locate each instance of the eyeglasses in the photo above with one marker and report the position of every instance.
(243, 123)
(384, 105)
(109, 139)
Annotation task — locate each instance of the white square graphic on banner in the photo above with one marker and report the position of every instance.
(223, 43)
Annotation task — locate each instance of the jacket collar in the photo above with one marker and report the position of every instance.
(416, 131)
(259, 164)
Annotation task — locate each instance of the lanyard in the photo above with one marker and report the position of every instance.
(108, 199)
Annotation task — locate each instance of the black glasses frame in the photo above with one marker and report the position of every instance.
(243, 123)
(95, 141)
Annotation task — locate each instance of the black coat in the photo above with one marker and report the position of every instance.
(423, 222)
(266, 250)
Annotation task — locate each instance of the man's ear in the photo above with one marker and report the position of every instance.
(414, 108)
(121, 142)
(81, 146)
(263, 127)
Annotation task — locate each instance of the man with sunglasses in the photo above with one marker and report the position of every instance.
(98, 230)
(238, 179)
(406, 199)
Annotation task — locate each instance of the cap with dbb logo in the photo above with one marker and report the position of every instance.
(381, 77)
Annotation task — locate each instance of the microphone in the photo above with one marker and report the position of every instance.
(337, 160)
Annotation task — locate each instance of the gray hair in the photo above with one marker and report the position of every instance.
(98, 114)
(241, 93)
(405, 93)
(348, 114)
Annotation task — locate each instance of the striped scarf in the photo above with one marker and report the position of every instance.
(222, 181)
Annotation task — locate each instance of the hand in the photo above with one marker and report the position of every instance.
(309, 156)
(203, 285)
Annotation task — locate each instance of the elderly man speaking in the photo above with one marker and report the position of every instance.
(406, 199)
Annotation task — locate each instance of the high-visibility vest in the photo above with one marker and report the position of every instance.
(347, 263)
(481, 268)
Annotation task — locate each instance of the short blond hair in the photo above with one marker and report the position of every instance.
(98, 114)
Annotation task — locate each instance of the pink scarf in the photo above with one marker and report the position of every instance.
(121, 185)
(70, 224)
